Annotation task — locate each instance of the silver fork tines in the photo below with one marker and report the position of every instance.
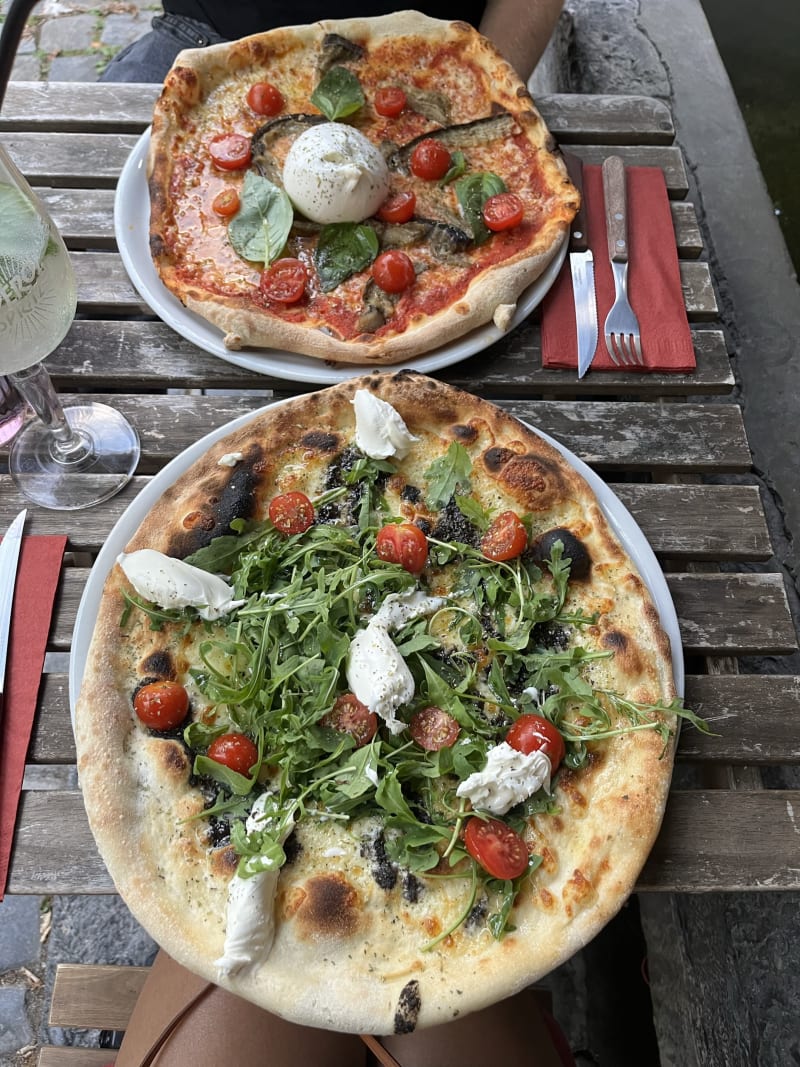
(622, 333)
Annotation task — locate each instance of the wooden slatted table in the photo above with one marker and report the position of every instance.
(657, 439)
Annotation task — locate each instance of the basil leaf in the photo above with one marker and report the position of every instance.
(259, 229)
(458, 166)
(447, 474)
(473, 192)
(338, 94)
(343, 249)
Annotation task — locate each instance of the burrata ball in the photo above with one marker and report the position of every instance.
(333, 173)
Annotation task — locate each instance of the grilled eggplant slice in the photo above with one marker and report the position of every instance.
(462, 135)
(336, 49)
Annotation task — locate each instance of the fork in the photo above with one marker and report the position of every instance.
(623, 337)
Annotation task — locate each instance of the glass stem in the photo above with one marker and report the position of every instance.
(35, 386)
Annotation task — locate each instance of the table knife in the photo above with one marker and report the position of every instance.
(581, 265)
(9, 558)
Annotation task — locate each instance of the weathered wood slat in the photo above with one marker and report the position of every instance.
(669, 159)
(755, 719)
(143, 355)
(55, 1056)
(719, 614)
(674, 518)
(85, 219)
(753, 851)
(86, 160)
(104, 287)
(614, 119)
(66, 106)
(682, 438)
(95, 997)
(721, 840)
(733, 614)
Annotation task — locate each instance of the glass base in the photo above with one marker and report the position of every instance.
(71, 481)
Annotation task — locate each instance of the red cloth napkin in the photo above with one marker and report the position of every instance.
(37, 580)
(654, 281)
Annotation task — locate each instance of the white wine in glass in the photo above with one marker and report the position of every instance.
(70, 457)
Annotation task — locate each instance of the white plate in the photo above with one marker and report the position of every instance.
(619, 517)
(132, 230)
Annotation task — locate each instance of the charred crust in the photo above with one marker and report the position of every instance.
(158, 665)
(574, 550)
(236, 499)
(172, 757)
(463, 433)
(224, 861)
(330, 907)
(495, 458)
(320, 441)
(615, 640)
(408, 1006)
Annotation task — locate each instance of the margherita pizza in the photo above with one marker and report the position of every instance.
(378, 718)
(361, 191)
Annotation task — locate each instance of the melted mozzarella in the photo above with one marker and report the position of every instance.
(376, 672)
(508, 778)
(333, 173)
(250, 918)
(173, 584)
(380, 430)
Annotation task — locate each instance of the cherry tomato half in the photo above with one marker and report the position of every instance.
(393, 271)
(398, 208)
(390, 100)
(285, 281)
(265, 98)
(350, 716)
(234, 750)
(403, 543)
(230, 151)
(161, 705)
(503, 211)
(534, 733)
(506, 538)
(291, 513)
(226, 203)
(499, 849)
(432, 729)
(430, 160)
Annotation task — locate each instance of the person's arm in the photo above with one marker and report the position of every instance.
(521, 29)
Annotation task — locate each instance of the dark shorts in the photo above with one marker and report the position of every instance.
(149, 58)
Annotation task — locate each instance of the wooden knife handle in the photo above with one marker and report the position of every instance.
(579, 236)
(616, 209)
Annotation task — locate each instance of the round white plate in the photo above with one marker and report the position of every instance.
(132, 230)
(619, 517)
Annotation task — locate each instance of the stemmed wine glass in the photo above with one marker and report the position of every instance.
(71, 457)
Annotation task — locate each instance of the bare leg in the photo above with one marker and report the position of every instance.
(512, 1032)
(181, 1020)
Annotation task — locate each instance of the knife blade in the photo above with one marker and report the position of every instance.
(9, 559)
(581, 265)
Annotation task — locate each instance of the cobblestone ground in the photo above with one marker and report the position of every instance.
(72, 41)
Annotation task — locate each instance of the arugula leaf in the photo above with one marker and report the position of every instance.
(259, 229)
(472, 510)
(237, 783)
(473, 192)
(447, 474)
(338, 94)
(343, 249)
